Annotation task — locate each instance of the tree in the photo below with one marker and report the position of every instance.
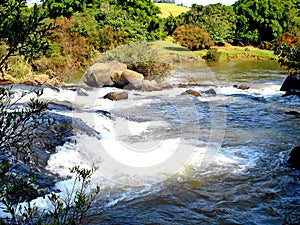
(262, 21)
(218, 20)
(24, 30)
(138, 18)
(193, 37)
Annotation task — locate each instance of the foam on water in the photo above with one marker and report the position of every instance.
(267, 91)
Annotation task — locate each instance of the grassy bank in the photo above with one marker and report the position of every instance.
(237, 53)
(167, 9)
(228, 52)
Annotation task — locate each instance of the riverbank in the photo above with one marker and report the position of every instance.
(228, 52)
(170, 52)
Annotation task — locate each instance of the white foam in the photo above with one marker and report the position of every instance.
(267, 91)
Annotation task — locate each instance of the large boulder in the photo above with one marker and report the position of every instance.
(294, 158)
(292, 82)
(99, 74)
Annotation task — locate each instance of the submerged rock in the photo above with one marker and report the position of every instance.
(241, 87)
(211, 92)
(150, 87)
(191, 92)
(291, 92)
(295, 113)
(183, 85)
(82, 92)
(115, 96)
(292, 82)
(294, 158)
(165, 85)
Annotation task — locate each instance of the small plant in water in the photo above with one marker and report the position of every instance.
(73, 208)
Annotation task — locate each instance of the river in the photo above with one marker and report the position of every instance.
(167, 158)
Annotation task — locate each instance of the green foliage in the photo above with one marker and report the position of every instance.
(172, 22)
(139, 19)
(212, 55)
(289, 57)
(19, 68)
(56, 8)
(17, 132)
(70, 50)
(22, 31)
(109, 38)
(265, 20)
(218, 20)
(142, 57)
(72, 209)
(193, 37)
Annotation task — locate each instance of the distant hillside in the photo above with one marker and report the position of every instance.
(167, 8)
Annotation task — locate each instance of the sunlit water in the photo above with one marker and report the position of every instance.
(242, 179)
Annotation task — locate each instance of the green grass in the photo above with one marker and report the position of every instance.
(228, 53)
(167, 8)
(235, 53)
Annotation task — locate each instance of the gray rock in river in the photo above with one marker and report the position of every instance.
(241, 87)
(115, 96)
(191, 92)
(294, 158)
(292, 82)
(210, 92)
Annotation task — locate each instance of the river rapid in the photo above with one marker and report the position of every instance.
(167, 158)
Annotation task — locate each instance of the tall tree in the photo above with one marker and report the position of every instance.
(24, 29)
(261, 21)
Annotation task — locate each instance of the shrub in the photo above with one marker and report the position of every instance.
(151, 69)
(109, 38)
(193, 37)
(289, 57)
(291, 39)
(69, 51)
(142, 57)
(19, 67)
(212, 55)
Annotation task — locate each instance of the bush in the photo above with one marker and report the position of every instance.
(193, 37)
(142, 57)
(19, 68)
(212, 55)
(70, 51)
(290, 38)
(151, 69)
(289, 57)
(109, 38)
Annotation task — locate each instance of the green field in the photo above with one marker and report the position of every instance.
(228, 53)
(167, 9)
(236, 53)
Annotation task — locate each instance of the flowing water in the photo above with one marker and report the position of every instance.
(167, 158)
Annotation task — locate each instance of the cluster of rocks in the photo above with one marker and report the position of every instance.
(116, 74)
